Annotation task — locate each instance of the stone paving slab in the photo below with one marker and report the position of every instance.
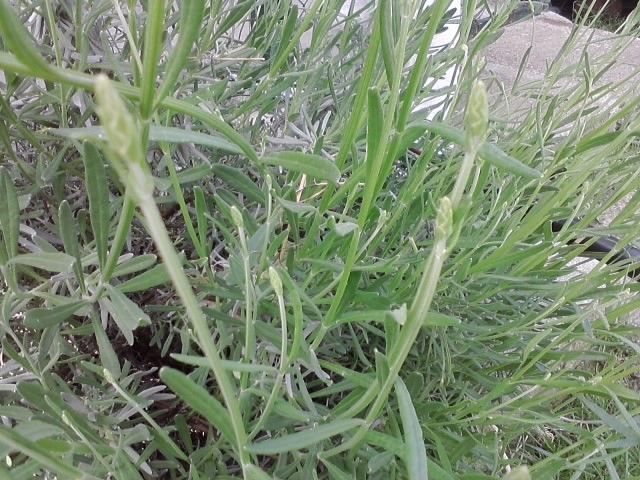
(545, 35)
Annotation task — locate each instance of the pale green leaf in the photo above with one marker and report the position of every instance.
(314, 166)
(303, 439)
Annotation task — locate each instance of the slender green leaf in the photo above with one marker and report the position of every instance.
(227, 364)
(435, 319)
(153, 46)
(375, 122)
(122, 230)
(69, 234)
(51, 262)
(314, 166)
(283, 54)
(285, 38)
(363, 316)
(343, 229)
(200, 400)
(236, 13)
(240, 181)
(303, 439)
(253, 472)
(335, 472)
(488, 152)
(127, 315)
(201, 218)
(135, 264)
(108, 356)
(186, 176)
(191, 14)
(158, 275)
(98, 192)
(382, 367)
(24, 446)
(17, 40)
(156, 134)
(296, 207)
(40, 318)
(9, 213)
(387, 41)
(416, 454)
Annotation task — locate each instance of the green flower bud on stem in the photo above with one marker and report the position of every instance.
(476, 118)
(519, 473)
(444, 219)
(276, 282)
(122, 131)
(236, 216)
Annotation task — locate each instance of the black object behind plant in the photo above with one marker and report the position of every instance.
(627, 257)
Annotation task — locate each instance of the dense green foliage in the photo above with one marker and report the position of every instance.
(224, 261)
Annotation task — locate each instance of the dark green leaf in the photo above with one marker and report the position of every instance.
(285, 39)
(17, 443)
(69, 234)
(239, 180)
(158, 275)
(153, 47)
(108, 356)
(200, 400)
(9, 213)
(18, 40)
(191, 14)
(98, 192)
(39, 318)
(127, 315)
(135, 264)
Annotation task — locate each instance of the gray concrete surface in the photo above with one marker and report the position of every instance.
(543, 38)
